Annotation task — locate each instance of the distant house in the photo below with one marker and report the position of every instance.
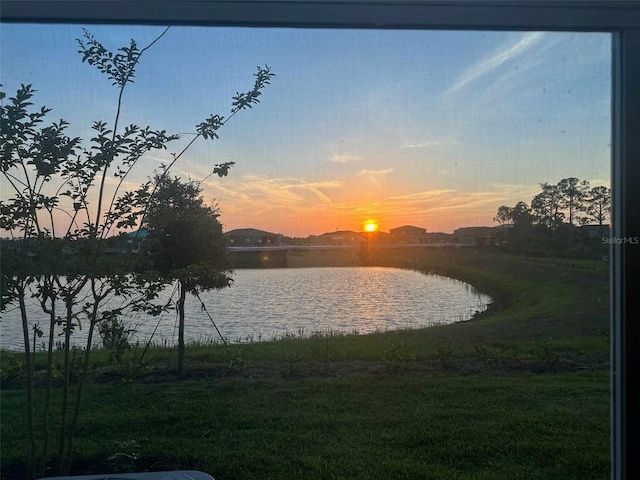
(339, 237)
(251, 237)
(477, 236)
(135, 239)
(408, 234)
(375, 237)
(129, 242)
(439, 237)
(348, 238)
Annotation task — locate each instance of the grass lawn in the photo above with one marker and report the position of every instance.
(520, 392)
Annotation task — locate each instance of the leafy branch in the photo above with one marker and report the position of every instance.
(65, 269)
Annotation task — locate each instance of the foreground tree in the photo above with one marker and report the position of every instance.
(58, 260)
(185, 244)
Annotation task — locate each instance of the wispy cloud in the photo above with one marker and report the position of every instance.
(437, 210)
(384, 171)
(343, 157)
(269, 203)
(419, 145)
(421, 196)
(257, 194)
(316, 189)
(497, 58)
(314, 207)
(441, 200)
(515, 190)
(374, 175)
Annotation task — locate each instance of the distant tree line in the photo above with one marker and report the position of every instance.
(550, 224)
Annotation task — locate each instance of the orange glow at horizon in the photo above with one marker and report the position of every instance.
(370, 226)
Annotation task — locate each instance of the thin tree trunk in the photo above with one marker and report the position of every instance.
(65, 390)
(29, 367)
(85, 371)
(570, 214)
(181, 330)
(47, 399)
(600, 218)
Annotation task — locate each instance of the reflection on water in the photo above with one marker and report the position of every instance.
(265, 304)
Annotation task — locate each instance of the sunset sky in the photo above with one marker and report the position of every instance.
(435, 129)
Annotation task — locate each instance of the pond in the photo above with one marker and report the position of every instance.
(265, 304)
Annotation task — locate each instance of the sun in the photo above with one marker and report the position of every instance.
(370, 226)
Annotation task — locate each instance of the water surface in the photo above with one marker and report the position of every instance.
(270, 303)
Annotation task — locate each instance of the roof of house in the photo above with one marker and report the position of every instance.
(339, 232)
(251, 232)
(408, 227)
(473, 230)
(140, 233)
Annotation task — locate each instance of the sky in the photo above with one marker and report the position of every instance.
(435, 129)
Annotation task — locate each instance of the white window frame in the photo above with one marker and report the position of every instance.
(620, 18)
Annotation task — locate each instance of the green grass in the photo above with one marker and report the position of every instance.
(361, 427)
(520, 392)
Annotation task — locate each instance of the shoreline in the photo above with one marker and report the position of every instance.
(515, 299)
(242, 330)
